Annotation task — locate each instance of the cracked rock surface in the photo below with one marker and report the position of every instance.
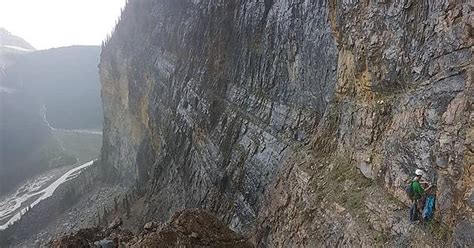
(297, 122)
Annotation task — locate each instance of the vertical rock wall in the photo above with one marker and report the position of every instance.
(403, 100)
(405, 72)
(253, 109)
(203, 99)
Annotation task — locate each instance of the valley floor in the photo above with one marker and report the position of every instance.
(82, 214)
(41, 221)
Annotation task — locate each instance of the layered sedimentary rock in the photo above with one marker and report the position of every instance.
(403, 101)
(298, 122)
(206, 102)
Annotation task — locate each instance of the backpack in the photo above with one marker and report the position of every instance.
(428, 210)
(409, 190)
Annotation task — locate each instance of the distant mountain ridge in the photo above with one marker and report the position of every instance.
(65, 80)
(11, 46)
(7, 39)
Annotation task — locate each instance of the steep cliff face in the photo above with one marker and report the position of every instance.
(299, 120)
(403, 101)
(207, 101)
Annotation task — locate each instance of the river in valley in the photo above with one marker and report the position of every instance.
(31, 193)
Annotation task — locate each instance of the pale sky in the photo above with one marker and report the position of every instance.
(56, 23)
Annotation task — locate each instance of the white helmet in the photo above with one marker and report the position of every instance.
(419, 172)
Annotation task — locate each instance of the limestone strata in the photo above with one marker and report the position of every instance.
(255, 109)
(206, 102)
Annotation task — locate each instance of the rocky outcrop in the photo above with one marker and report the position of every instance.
(190, 228)
(296, 121)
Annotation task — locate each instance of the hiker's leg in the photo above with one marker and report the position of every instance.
(414, 213)
(420, 206)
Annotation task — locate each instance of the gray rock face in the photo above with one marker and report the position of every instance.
(255, 109)
(207, 113)
(105, 244)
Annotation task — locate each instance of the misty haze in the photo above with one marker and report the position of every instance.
(236, 123)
